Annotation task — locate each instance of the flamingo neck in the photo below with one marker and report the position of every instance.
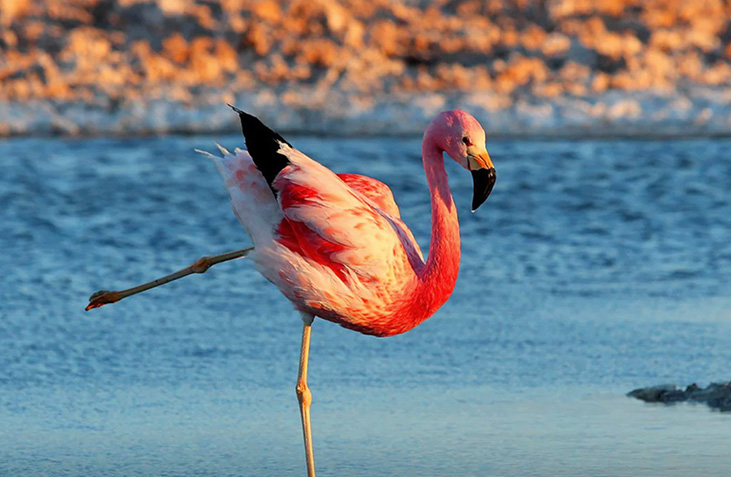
(439, 275)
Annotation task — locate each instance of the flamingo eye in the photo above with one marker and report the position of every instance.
(467, 141)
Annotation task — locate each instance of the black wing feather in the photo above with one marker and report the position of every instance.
(263, 146)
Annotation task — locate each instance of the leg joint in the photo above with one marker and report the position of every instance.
(201, 265)
(307, 318)
(304, 395)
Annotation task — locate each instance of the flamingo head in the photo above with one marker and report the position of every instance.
(461, 136)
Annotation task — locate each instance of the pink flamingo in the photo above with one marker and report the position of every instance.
(334, 245)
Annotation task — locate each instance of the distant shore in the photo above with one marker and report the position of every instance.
(701, 112)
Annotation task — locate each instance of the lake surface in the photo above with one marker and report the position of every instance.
(595, 267)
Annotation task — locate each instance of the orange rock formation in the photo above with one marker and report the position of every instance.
(301, 54)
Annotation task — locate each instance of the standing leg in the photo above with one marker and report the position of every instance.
(303, 393)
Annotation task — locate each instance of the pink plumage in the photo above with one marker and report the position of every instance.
(335, 245)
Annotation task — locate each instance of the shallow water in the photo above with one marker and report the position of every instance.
(595, 267)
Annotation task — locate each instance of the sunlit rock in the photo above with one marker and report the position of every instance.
(120, 58)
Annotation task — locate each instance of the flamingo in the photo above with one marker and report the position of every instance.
(334, 244)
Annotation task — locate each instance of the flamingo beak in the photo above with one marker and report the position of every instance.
(483, 177)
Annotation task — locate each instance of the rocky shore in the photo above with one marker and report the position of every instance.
(552, 68)
(715, 395)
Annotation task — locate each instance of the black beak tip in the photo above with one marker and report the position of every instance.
(484, 181)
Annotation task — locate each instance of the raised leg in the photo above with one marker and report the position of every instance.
(104, 297)
(303, 393)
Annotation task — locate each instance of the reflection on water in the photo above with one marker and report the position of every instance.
(595, 267)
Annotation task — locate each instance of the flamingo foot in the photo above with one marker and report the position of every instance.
(101, 298)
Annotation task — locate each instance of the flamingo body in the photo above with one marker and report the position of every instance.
(310, 241)
(334, 245)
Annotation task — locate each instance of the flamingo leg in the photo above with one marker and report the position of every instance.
(104, 297)
(304, 396)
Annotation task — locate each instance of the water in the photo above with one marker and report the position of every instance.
(595, 267)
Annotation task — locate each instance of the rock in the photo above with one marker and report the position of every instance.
(715, 395)
(673, 396)
(653, 393)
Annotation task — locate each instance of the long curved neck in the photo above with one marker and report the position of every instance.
(435, 280)
(442, 265)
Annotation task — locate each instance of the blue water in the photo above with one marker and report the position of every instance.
(595, 267)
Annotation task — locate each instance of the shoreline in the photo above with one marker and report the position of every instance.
(699, 112)
(568, 136)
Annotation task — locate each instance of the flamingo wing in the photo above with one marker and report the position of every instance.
(338, 226)
(380, 194)
(376, 191)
